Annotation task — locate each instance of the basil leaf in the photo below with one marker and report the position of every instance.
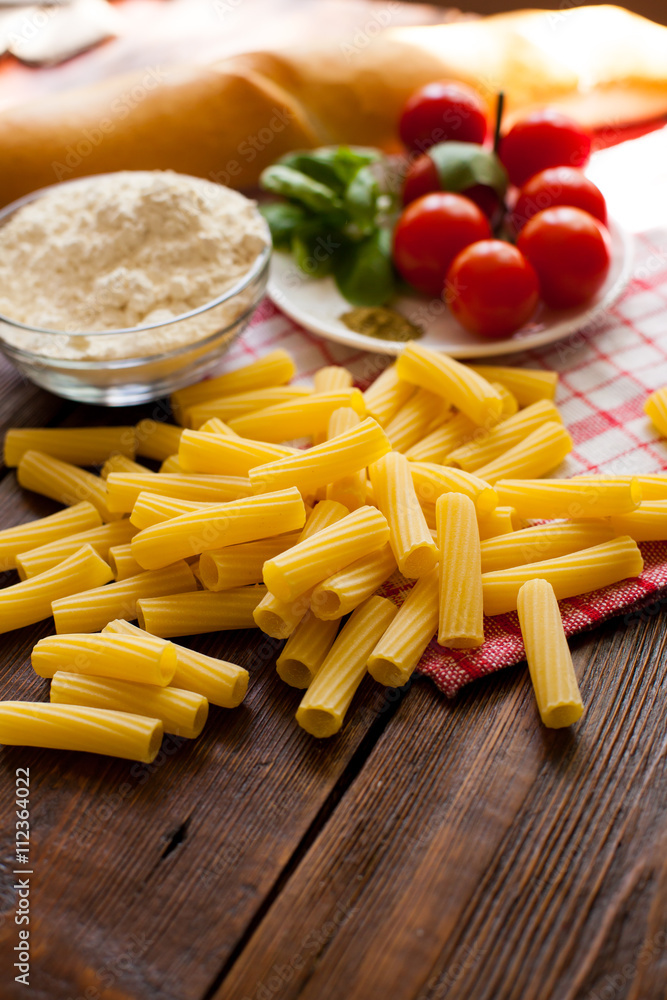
(316, 249)
(461, 165)
(364, 273)
(361, 199)
(283, 218)
(298, 187)
(333, 166)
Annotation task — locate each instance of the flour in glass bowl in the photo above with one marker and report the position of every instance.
(125, 250)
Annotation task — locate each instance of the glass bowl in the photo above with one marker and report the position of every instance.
(127, 374)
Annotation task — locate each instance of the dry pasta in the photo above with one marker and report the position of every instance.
(350, 490)
(549, 661)
(400, 649)
(305, 650)
(409, 535)
(275, 368)
(500, 521)
(170, 465)
(655, 409)
(415, 418)
(214, 425)
(387, 394)
(150, 508)
(528, 385)
(346, 590)
(458, 384)
(124, 489)
(543, 541)
(64, 482)
(305, 416)
(509, 401)
(227, 407)
(431, 481)
(540, 452)
(123, 657)
(330, 693)
(221, 454)
(240, 565)
(648, 523)
(122, 562)
(76, 445)
(438, 443)
(460, 620)
(157, 439)
(332, 378)
(120, 463)
(203, 611)
(39, 559)
(486, 446)
(653, 487)
(14, 541)
(549, 498)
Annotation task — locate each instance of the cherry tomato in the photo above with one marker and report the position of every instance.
(571, 252)
(558, 186)
(422, 178)
(442, 110)
(543, 139)
(491, 288)
(430, 233)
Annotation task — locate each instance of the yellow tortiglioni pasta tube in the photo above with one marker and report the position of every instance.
(227, 407)
(438, 443)
(577, 573)
(243, 520)
(124, 657)
(120, 463)
(77, 727)
(332, 378)
(214, 425)
(301, 417)
(485, 446)
(543, 541)
(510, 404)
(345, 591)
(652, 487)
(30, 601)
(63, 482)
(458, 384)
(220, 682)
(314, 559)
(541, 452)
(655, 409)
(40, 559)
(305, 651)
(549, 498)
(500, 521)
(528, 385)
(350, 490)
(124, 488)
(387, 394)
(240, 565)
(549, 660)
(221, 454)
(93, 610)
(646, 524)
(324, 463)
(460, 621)
(275, 368)
(415, 418)
(76, 445)
(171, 465)
(328, 697)
(21, 538)
(150, 508)
(156, 439)
(181, 712)
(122, 562)
(431, 481)
(409, 536)
(204, 611)
(400, 649)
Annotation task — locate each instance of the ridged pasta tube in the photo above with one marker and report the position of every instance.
(124, 657)
(550, 498)
(73, 520)
(305, 650)
(540, 452)
(414, 419)
(31, 600)
(227, 407)
(122, 562)
(124, 488)
(528, 385)
(77, 727)
(240, 565)
(549, 660)
(330, 550)
(509, 401)
(410, 539)
(324, 463)
(120, 463)
(181, 712)
(486, 446)
(102, 538)
(500, 521)
(458, 384)
(345, 591)
(274, 368)
(203, 611)
(332, 378)
(350, 490)
(543, 541)
(655, 409)
(653, 487)
(460, 620)
(306, 415)
(400, 649)
(438, 443)
(91, 611)
(219, 681)
(76, 445)
(150, 509)
(214, 425)
(221, 454)
(170, 465)
(648, 523)
(238, 521)
(386, 395)
(64, 482)
(577, 573)
(329, 695)
(157, 439)
(431, 481)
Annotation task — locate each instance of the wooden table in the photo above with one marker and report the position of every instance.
(434, 849)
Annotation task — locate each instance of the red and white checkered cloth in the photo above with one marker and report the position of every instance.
(606, 373)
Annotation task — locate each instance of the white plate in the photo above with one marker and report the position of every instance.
(317, 305)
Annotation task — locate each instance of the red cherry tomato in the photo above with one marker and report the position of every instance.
(422, 178)
(430, 233)
(543, 139)
(491, 288)
(558, 186)
(571, 252)
(442, 110)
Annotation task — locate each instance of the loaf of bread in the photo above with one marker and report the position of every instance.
(226, 122)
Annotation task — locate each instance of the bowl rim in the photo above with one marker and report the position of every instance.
(258, 266)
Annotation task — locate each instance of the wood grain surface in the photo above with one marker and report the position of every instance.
(434, 849)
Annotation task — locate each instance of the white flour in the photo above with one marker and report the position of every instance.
(125, 250)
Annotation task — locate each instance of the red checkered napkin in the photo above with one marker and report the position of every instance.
(606, 372)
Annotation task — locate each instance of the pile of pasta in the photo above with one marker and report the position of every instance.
(435, 473)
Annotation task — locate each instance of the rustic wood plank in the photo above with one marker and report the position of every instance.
(479, 855)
